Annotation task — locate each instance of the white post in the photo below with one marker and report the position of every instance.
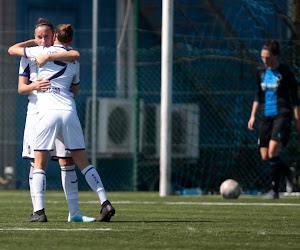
(94, 83)
(121, 44)
(131, 52)
(165, 187)
(125, 49)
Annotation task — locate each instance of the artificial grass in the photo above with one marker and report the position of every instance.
(146, 221)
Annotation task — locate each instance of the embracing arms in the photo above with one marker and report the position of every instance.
(19, 50)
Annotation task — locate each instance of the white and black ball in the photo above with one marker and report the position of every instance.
(230, 189)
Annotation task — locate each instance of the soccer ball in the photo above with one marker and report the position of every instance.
(230, 189)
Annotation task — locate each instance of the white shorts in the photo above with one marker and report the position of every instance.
(29, 135)
(59, 150)
(53, 124)
(29, 141)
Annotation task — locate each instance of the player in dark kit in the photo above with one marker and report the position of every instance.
(277, 94)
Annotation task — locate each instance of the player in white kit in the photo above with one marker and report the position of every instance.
(28, 73)
(57, 116)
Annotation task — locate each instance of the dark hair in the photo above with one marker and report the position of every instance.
(43, 21)
(273, 47)
(64, 33)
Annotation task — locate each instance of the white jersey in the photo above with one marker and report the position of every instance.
(28, 68)
(61, 76)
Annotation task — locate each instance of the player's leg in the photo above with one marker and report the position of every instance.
(76, 145)
(275, 174)
(91, 175)
(30, 184)
(69, 180)
(70, 185)
(39, 186)
(275, 164)
(93, 179)
(28, 146)
(280, 137)
(264, 154)
(265, 128)
(47, 127)
(265, 131)
(68, 174)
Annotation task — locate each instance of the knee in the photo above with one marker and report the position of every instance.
(66, 162)
(272, 155)
(265, 158)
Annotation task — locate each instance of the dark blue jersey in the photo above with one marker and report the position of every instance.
(277, 91)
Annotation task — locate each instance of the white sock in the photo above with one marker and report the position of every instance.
(93, 179)
(30, 185)
(70, 185)
(39, 188)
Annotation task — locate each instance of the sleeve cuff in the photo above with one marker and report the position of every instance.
(25, 53)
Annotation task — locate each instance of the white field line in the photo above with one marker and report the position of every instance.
(177, 203)
(53, 229)
(232, 204)
(197, 203)
(279, 233)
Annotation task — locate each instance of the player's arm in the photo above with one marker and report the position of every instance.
(295, 99)
(295, 102)
(24, 88)
(251, 121)
(67, 56)
(76, 80)
(18, 49)
(257, 100)
(297, 118)
(75, 89)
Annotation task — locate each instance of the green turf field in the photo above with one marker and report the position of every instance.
(146, 221)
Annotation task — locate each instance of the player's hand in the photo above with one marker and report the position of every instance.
(41, 60)
(251, 123)
(41, 84)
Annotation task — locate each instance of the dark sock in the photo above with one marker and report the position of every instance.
(275, 164)
(40, 212)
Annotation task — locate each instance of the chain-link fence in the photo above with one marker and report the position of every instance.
(213, 93)
(215, 60)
